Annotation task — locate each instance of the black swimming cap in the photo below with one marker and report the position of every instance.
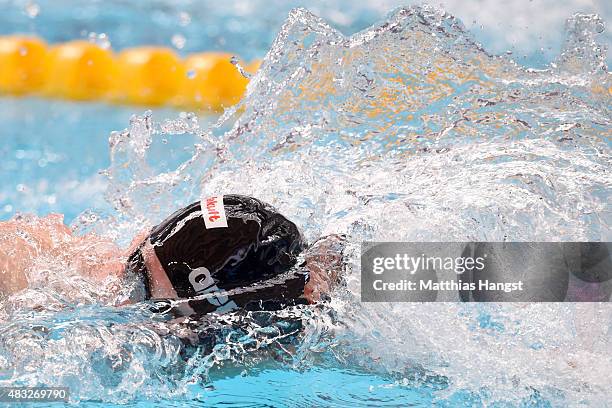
(228, 251)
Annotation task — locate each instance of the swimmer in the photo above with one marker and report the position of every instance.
(223, 253)
(231, 252)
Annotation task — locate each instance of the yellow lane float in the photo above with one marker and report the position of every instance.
(80, 70)
(22, 64)
(83, 70)
(212, 81)
(149, 75)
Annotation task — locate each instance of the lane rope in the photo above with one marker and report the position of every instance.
(149, 75)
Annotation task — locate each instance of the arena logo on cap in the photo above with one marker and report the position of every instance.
(213, 211)
(203, 283)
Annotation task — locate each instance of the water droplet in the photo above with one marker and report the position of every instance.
(184, 19)
(32, 9)
(234, 61)
(178, 41)
(101, 40)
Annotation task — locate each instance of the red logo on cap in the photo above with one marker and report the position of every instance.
(213, 212)
(211, 204)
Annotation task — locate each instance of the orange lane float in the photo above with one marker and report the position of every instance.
(82, 70)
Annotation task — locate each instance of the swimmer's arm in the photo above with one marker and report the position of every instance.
(30, 240)
(325, 264)
(12, 266)
(21, 242)
(99, 258)
(137, 241)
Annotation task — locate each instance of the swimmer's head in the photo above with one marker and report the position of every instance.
(222, 243)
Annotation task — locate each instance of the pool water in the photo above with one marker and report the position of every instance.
(408, 130)
(310, 387)
(45, 160)
(54, 152)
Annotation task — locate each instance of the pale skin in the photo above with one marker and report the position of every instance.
(26, 243)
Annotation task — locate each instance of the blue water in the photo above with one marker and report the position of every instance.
(51, 146)
(314, 387)
(53, 153)
(49, 156)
